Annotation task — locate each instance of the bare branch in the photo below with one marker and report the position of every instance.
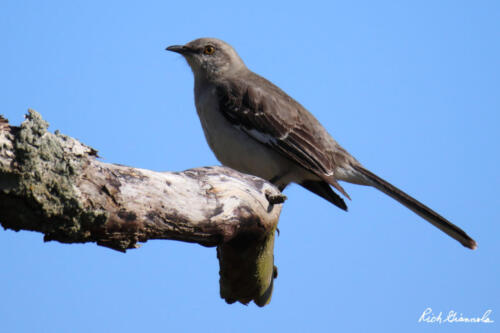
(53, 184)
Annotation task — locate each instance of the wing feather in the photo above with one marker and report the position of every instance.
(269, 115)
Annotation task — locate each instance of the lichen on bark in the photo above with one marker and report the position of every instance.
(45, 172)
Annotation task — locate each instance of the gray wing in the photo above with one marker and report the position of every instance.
(269, 115)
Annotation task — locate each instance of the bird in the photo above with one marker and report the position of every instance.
(256, 128)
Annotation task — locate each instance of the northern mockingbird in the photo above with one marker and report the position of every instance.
(255, 127)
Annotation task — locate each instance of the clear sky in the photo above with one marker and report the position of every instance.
(410, 88)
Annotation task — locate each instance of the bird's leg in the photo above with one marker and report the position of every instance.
(276, 182)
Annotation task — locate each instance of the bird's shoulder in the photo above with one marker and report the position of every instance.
(253, 100)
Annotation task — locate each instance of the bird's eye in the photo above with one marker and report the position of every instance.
(209, 49)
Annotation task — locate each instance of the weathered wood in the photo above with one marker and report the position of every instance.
(56, 185)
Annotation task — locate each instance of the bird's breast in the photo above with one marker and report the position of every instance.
(233, 147)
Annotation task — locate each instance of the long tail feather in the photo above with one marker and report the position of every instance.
(418, 207)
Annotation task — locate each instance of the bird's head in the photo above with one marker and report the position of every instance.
(209, 57)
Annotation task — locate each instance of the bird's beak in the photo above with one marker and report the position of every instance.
(182, 49)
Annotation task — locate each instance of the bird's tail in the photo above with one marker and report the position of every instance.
(417, 207)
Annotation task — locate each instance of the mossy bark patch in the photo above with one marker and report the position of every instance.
(42, 175)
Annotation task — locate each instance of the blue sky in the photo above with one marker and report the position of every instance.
(411, 89)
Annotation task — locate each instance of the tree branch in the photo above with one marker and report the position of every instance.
(53, 184)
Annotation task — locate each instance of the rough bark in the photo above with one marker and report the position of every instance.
(53, 184)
